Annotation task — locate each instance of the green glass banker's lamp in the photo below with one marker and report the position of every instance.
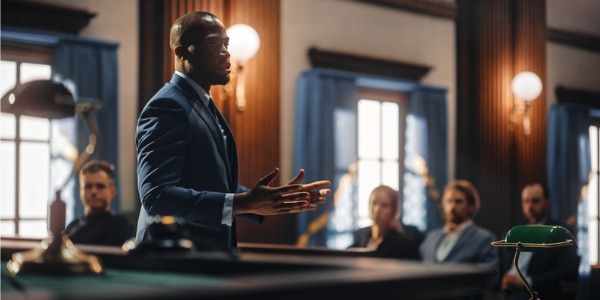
(51, 99)
(533, 238)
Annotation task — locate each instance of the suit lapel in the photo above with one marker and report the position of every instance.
(230, 156)
(462, 240)
(204, 113)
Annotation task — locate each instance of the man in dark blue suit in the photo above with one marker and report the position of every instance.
(186, 153)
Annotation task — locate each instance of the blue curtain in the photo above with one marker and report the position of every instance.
(92, 67)
(569, 166)
(325, 142)
(426, 142)
(319, 95)
(568, 157)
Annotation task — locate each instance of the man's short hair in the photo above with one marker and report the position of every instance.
(545, 190)
(184, 23)
(94, 166)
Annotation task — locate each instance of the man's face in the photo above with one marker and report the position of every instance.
(96, 192)
(456, 207)
(382, 208)
(205, 48)
(535, 206)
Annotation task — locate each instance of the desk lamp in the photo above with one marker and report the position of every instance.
(533, 238)
(52, 100)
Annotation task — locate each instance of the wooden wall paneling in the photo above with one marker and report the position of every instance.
(485, 143)
(151, 50)
(496, 40)
(582, 40)
(435, 8)
(257, 128)
(496, 69)
(56, 17)
(530, 55)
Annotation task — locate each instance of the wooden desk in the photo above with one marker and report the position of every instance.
(251, 276)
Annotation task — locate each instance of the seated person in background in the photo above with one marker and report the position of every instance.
(546, 271)
(387, 236)
(461, 240)
(99, 226)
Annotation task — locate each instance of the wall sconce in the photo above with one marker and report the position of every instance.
(526, 86)
(243, 45)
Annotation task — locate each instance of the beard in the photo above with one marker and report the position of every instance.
(221, 79)
(209, 75)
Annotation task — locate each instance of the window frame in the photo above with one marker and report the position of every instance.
(402, 99)
(595, 122)
(390, 96)
(24, 53)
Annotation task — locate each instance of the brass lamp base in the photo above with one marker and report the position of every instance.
(58, 256)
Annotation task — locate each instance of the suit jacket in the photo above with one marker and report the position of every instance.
(473, 246)
(550, 269)
(100, 229)
(394, 245)
(185, 168)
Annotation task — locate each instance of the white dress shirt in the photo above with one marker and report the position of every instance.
(449, 240)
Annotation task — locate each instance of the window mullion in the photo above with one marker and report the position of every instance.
(380, 142)
(17, 170)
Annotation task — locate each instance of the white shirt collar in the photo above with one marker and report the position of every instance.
(204, 96)
(458, 228)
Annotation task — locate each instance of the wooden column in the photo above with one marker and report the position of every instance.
(496, 39)
(530, 55)
(257, 128)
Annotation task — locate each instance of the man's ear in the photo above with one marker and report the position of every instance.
(179, 51)
(113, 192)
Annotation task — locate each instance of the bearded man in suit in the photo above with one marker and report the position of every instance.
(186, 153)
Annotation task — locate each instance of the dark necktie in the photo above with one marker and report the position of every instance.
(213, 110)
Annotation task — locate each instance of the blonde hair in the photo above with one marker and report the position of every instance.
(390, 192)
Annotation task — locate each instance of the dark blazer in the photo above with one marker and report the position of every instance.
(185, 168)
(394, 245)
(550, 271)
(100, 229)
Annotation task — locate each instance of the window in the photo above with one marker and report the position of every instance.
(381, 119)
(25, 158)
(593, 196)
(30, 167)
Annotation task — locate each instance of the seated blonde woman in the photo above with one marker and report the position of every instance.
(388, 237)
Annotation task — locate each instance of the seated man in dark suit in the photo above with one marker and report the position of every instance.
(387, 236)
(99, 226)
(546, 271)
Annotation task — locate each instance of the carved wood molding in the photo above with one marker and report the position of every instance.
(45, 16)
(578, 96)
(374, 66)
(436, 8)
(574, 39)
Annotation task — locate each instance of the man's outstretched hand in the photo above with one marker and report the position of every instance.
(317, 195)
(293, 197)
